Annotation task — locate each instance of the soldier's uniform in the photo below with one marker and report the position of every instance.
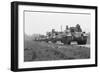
(67, 30)
(78, 28)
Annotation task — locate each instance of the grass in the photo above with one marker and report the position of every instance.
(41, 51)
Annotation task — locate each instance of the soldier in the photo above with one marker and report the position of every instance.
(53, 33)
(53, 30)
(67, 29)
(78, 28)
(48, 34)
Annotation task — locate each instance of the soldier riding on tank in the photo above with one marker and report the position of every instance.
(69, 35)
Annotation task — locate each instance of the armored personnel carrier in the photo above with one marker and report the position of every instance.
(72, 34)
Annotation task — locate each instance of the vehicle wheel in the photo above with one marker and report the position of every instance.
(66, 42)
(82, 42)
(53, 41)
(79, 42)
(69, 43)
(46, 41)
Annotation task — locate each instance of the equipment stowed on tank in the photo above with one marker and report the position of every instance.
(72, 34)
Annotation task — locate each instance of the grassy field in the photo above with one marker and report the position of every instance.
(41, 51)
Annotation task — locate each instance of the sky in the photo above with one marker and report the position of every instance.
(42, 22)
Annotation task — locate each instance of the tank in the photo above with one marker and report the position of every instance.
(72, 34)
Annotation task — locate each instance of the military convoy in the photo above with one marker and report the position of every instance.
(70, 34)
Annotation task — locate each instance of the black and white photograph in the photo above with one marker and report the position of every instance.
(56, 36)
(53, 36)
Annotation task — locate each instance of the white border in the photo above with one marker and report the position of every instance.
(22, 64)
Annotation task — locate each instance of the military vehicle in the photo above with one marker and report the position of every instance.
(72, 34)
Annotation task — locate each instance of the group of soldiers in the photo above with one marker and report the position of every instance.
(53, 33)
(73, 29)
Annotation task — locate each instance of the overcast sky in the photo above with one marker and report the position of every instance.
(41, 22)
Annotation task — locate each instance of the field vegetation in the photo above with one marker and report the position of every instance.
(42, 51)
